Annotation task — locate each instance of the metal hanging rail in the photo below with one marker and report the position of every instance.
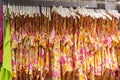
(56, 3)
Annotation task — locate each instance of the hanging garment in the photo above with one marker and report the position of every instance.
(1, 46)
(1, 37)
(63, 48)
(6, 68)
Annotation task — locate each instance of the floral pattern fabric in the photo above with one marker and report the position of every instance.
(64, 48)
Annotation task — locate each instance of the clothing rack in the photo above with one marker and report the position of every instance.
(57, 3)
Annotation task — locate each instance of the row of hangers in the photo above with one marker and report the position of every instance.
(31, 11)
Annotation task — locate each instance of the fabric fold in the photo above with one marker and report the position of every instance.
(6, 69)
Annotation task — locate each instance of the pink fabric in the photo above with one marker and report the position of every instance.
(1, 46)
(1, 41)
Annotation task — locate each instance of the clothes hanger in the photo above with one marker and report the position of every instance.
(43, 10)
(49, 13)
(65, 12)
(105, 14)
(73, 13)
(28, 11)
(114, 13)
(38, 9)
(100, 15)
(60, 11)
(93, 13)
(20, 9)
